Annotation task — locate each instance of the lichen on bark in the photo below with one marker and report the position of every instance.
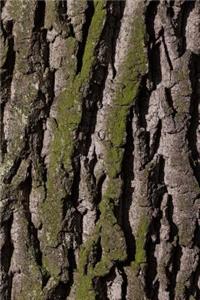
(99, 149)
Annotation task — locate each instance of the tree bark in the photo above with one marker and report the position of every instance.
(100, 146)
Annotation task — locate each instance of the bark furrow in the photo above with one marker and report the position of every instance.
(100, 150)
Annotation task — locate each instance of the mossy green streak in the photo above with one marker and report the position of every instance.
(62, 146)
(109, 231)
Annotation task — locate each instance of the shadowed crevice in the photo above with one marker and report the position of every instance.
(141, 110)
(127, 190)
(6, 76)
(153, 44)
(158, 189)
(182, 20)
(5, 259)
(39, 15)
(169, 100)
(72, 266)
(89, 12)
(156, 140)
(33, 240)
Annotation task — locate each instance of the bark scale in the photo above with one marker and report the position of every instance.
(100, 145)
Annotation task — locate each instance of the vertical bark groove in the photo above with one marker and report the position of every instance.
(100, 150)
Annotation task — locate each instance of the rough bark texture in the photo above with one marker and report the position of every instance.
(100, 149)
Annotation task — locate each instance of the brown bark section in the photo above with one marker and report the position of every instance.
(100, 146)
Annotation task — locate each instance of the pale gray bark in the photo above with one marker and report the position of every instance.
(100, 146)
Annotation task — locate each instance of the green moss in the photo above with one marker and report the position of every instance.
(50, 14)
(32, 289)
(132, 69)
(111, 195)
(68, 116)
(85, 289)
(140, 254)
(50, 264)
(110, 232)
(3, 51)
(31, 279)
(113, 161)
(52, 19)
(135, 64)
(89, 247)
(21, 10)
(103, 267)
(109, 235)
(69, 112)
(5, 167)
(117, 125)
(135, 268)
(62, 146)
(93, 36)
(85, 268)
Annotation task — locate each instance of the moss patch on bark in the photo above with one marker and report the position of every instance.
(111, 236)
(64, 140)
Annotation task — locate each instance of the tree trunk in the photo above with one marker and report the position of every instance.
(100, 149)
